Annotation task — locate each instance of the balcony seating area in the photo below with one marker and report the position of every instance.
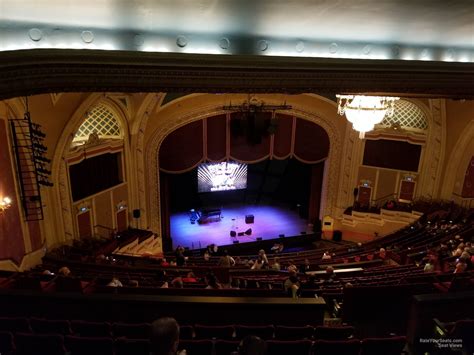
(57, 336)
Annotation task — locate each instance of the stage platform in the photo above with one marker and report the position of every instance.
(269, 223)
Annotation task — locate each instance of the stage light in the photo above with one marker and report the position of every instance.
(5, 204)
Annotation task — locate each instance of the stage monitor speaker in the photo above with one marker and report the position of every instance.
(136, 213)
(241, 234)
(337, 236)
(233, 234)
(235, 242)
(259, 238)
(249, 218)
(282, 236)
(304, 232)
(248, 231)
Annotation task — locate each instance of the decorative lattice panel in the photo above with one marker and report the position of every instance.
(407, 115)
(101, 121)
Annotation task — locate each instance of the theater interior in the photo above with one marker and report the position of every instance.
(245, 168)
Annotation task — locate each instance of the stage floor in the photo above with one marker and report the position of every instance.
(270, 222)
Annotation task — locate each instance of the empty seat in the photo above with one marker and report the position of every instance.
(132, 347)
(132, 331)
(385, 346)
(293, 333)
(263, 331)
(89, 346)
(334, 333)
(14, 324)
(226, 347)
(48, 326)
(225, 332)
(196, 347)
(281, 347)
(90, 329)
(339, 347)
(39, 344)
(6, 343)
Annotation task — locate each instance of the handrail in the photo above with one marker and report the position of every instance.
(105, 227)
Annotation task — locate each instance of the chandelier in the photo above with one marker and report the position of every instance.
(5, 204)
(364, 112)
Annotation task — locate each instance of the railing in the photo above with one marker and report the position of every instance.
(103, 231)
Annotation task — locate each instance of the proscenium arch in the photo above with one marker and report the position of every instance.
(61, 190)
(176, 120)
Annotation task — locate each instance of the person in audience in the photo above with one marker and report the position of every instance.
(461, 266)
(459, 250)
(177, 282)
(190, 278)
(133, 283)
(164, 263)
(64, 271)
(310, 283)
(252, 345)
(47, 272)
(276, 264)
(263, 257)
(467, 259)
(382, 254)
(207, 256)
(212, 282)
(180, 258)
(257, 265)
(115, 282)
(292, 266)
(429, 266)
(330, 275)
(292, 284)
(306, 266)
(326, 256)
(164, 336)
(226, 260)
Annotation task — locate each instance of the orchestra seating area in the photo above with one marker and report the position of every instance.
(366, 286)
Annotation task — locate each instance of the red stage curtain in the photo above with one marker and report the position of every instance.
(249, 139)
(311, 142)
(391, 154)
(283, 136)
(182, 149)
(468, 186)
(216, 137)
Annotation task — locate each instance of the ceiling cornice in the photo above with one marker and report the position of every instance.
(39, 71)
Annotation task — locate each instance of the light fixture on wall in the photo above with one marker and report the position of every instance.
(364, 112)
(5, 203)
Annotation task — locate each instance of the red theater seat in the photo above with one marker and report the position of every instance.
(49, 326)
(89, 346)
(6, 343)
(91, 329)
(293, 333)
(185, 332)
(334, 333)
(263, 331)
(226, 347)
(196, 347)
(14, 324)
(132, 347)
(280, 347)
(132, 331)
(224, 332)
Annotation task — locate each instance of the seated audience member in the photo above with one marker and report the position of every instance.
(115, 282)
(133, 283)
(164, 263)
(429, 266)
(190, 278)
(226, 260)
(461, 266)
(292, 266)
(207, 256)
(263, 257)
(276, 264)
(252, 345)
(164, 338)
(180, 259)
(212, 282)
(64, 271)
(382, 254)
(306, 266)
(326, 256)
(177, 282)
(330, 275)
(257, 265)
(292, 284)
(310, 283)
(47, 272)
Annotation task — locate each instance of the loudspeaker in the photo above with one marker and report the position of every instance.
(248, 231)
(241, 234)
(233, 234)
(136, 213)
(249, 218)
(235, 242)
(304, 232)
(337, 236)
(259, 238)
(282, 236)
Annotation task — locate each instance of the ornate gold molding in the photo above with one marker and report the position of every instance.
(36, 71)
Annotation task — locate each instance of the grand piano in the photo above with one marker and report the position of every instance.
(209, 215)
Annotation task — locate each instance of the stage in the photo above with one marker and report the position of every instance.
(269, 223)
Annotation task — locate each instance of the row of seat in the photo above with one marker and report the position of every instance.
(55, 344)
(198, 331)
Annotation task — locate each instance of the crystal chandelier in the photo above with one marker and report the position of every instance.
(364, 112)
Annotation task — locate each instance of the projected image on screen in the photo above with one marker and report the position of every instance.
(223, 176)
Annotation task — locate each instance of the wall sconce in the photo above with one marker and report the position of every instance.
(5, 204)
(121, 205)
